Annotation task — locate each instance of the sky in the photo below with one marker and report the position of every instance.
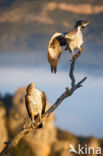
(80, 114)
(24, 24)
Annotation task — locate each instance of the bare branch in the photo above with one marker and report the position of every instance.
(68, 92)
(71, 73)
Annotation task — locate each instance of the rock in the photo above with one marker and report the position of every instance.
(93, 142)
(18, 111)
(47, 141)
(3, 129)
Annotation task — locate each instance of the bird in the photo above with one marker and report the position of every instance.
(71, 40)
(35, 101)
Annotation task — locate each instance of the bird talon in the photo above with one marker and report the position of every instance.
(40, 125)
(32, 124)
(75, 57)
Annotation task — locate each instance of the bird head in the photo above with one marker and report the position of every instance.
(81, 24)
(30, 88)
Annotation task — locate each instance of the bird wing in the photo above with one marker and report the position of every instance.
(71, 34)
(44, 100)
(28, 105)
(54, 50)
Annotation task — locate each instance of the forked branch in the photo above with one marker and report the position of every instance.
(68, 92)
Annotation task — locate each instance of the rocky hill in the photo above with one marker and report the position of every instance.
(48, 141)
(3, 129)
(28, 24)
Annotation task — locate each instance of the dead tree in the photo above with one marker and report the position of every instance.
(68, 92)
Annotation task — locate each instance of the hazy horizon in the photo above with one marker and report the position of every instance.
(81, 114)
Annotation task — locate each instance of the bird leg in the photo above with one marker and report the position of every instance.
(66, 48)
(33, 122)
(78, 54)
(39, 118)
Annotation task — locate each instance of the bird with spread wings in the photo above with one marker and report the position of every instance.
(71, 40)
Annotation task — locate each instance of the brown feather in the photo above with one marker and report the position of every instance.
(53, 63)
(30, 88)
(57, 51)
(27, 102)
(44, 100)
(71, 33)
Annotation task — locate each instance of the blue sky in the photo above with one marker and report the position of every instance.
(80, 114)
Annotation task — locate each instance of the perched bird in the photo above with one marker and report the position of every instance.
(71, 40)
(35, 101)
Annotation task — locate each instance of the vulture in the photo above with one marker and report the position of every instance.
(71, 40)
(35, 101)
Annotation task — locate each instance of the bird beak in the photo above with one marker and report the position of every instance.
(84, 25)
(87, 23)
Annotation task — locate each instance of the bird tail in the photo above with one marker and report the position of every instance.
(53, 69)
(53, 65)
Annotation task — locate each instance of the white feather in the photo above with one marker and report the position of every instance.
(77, 40)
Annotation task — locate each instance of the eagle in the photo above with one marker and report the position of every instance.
(35, 101)
(71, 40)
